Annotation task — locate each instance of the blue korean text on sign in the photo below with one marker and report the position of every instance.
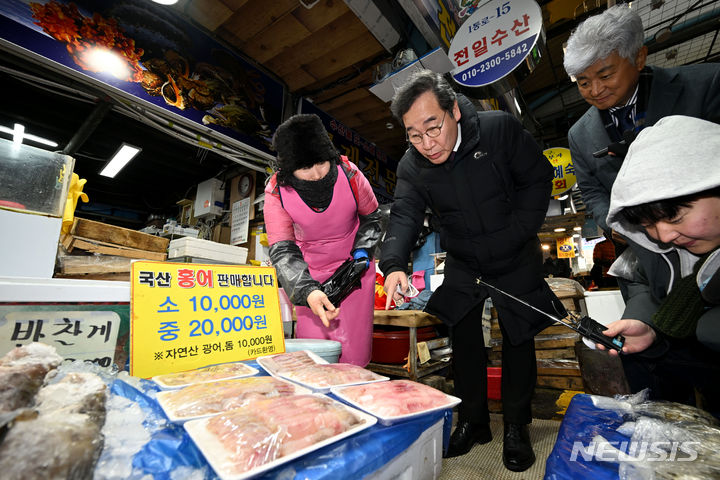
(494, 40)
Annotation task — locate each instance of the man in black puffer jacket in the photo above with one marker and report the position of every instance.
(488, 184)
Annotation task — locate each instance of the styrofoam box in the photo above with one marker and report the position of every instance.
(213, 251)
(605, 306)
(420, 461)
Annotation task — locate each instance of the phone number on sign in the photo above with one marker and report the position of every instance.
(494, 62)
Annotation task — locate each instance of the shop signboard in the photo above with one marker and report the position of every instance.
(374, 163)
(494, 41)
(77, 331)
(442, 16)
(565, 247)
(147, 54)
(185, 316)
(564, 171)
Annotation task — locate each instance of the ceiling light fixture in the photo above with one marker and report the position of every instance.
(166, 2)
(104, 60)
(545, 246)
(577, 229)
(663, 34)
(559, 229)
(121, 158)
(27, 136)
(18, 133)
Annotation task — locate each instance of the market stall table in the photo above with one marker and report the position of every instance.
(381, 452)
(411, 319)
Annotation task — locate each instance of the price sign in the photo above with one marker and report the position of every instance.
(565, 247)
(494, 41)
(564, 172)
(187, 316)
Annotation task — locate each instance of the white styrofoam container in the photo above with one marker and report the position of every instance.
(29, 244)
(605, 306)
(420, 461)
(206, 249)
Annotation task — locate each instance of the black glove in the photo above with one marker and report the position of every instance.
(345, 279)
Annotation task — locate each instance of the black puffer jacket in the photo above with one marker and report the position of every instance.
(490, 201)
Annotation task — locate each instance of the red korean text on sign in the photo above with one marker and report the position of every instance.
(480, 47)
(499, 36)
(517, 24)
(461, 57)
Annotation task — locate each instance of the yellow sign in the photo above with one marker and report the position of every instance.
(565, 247)
(187, 315)
(564, 176)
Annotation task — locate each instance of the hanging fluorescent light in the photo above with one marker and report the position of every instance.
(18, 133)
(119, 160)
(559, 229)
(577, 229)
(517, 105)
(27, 136)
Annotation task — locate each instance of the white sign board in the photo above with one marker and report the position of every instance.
(76, 335)
(494, 41)
(240, 221)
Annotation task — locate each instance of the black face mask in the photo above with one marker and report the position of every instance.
(316, 194)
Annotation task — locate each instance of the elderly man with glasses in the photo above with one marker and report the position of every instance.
(488, 184)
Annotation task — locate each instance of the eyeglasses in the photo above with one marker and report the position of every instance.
(431, 132)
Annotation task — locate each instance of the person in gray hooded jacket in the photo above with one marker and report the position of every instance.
(666, 198)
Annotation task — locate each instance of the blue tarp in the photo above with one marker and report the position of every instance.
(582, 423)
(352, 457)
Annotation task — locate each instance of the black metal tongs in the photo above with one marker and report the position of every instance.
(585, 326)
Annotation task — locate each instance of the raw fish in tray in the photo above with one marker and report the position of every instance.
(251, 439)
(395, 399)
(332, 374)
(210, 398)
(282, 363)
(206, 374)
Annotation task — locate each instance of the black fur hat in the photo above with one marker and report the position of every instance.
(301, 141)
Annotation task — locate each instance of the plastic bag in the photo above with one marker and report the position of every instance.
(625, 266)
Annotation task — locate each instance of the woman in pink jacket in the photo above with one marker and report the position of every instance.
(320, 210)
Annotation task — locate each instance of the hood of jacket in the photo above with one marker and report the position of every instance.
(677, 156)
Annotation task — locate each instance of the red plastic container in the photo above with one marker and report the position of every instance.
(493, 384)
(392, 344)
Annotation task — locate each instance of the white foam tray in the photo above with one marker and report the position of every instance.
(314, 387)
(163, 399)
(218, 457)
(389, 420)
(162, 380)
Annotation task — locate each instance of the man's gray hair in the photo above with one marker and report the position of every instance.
(420, 82)
(619, 28)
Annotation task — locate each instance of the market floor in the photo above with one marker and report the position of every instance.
(484, 462)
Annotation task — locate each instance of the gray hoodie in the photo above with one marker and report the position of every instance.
(677, 156)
